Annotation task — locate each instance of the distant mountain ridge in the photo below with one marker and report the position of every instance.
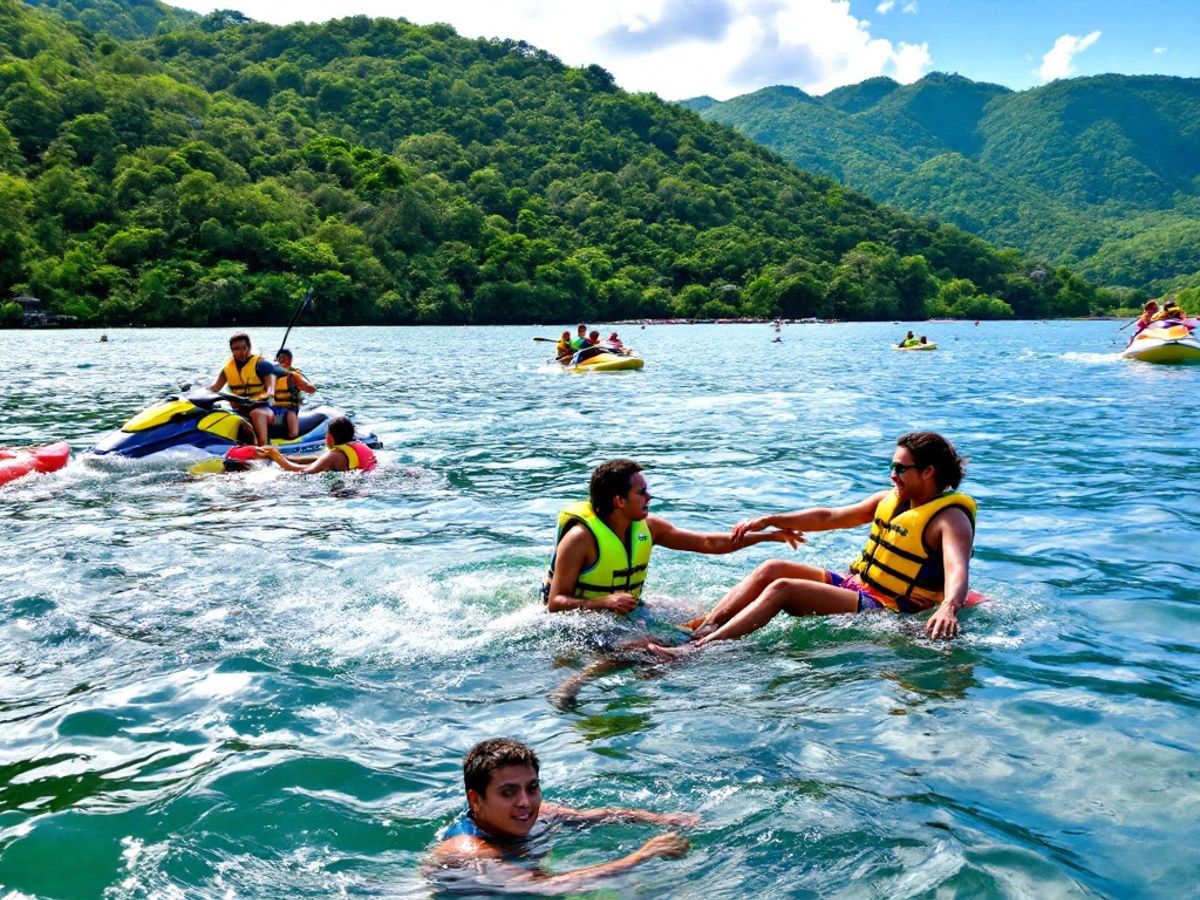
(1102, 173)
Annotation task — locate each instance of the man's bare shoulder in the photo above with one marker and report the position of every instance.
(462, 849)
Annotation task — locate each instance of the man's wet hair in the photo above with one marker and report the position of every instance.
(610, 479)
(488, 757)
(282, 353)
(929, 448)
(240, 336)
(342, 430)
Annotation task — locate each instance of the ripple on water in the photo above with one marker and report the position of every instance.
(263, 685)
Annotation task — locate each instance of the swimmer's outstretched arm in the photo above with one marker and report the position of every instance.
(667, 535)
(619, 814)
(475, 853)
(817, 518)
(307, 465)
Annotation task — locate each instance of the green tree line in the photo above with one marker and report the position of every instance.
(210, 173)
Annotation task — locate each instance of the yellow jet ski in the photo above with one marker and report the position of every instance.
(1169, 341)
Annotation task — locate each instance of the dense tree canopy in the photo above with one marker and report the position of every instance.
(208, 173)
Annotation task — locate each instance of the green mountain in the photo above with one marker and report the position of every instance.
(119, 18)
(1099, 173)
(211, 172)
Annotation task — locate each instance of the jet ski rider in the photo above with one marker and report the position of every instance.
(252, 377)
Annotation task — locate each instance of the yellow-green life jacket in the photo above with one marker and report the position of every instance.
(618, 569)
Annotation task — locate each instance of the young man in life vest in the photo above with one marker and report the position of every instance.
(285, 404)
(504, 805)
(603, 545)
(251, 377)
(602, 551)
(344, 453)
(917, 556)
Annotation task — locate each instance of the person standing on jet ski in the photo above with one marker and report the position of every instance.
(252, 377)
(285, 404)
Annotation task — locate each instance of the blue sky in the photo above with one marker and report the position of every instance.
(1003, 41)
(683, 48)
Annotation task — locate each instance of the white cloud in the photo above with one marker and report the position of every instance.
(1158, 51)
(910, 62)
(910, 7)
(885, 7)
(1059, 59)
(675, 48)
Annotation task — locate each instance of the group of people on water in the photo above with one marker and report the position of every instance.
(272, 391)
(916, 558)
(571, 351)
(910, 341)
(1152, 313)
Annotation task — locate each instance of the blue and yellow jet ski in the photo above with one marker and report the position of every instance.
(205, 423)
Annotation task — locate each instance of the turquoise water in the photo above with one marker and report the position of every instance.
(263, 686)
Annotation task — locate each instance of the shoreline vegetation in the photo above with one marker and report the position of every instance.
(211, 171)
(1118, 316)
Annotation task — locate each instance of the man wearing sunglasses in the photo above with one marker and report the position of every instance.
(916, 558)
(602, 551)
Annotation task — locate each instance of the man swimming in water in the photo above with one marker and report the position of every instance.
(504, 804)
(917, 556)
(602, 551)
(344, 453)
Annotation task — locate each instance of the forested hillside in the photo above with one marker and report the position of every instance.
(120, 18)
(1099, 173)
(209, 173)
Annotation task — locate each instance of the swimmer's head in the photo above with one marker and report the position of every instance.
(610, 480)
(341, 430)
(503, 791)
(928, 448)
(495, 753)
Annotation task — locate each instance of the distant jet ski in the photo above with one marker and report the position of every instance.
(206, 423)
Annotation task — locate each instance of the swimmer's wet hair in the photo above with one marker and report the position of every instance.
(488, 757)
(931, 449)
(610, 480)
(342, 430)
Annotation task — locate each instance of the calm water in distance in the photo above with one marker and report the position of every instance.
(263, 685)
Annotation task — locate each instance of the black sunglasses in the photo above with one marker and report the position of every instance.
(898, 469)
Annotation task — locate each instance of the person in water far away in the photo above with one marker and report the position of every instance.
(250, 376)
(916, 558)
(909, 341)
(602, 552)
(344, 453)
(504, 803)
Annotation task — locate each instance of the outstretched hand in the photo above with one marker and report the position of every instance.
(742, 531)
(744, 527)
(269, 453)
(785, 536)
(668, 846)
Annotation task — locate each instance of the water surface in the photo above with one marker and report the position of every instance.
(263, 685)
